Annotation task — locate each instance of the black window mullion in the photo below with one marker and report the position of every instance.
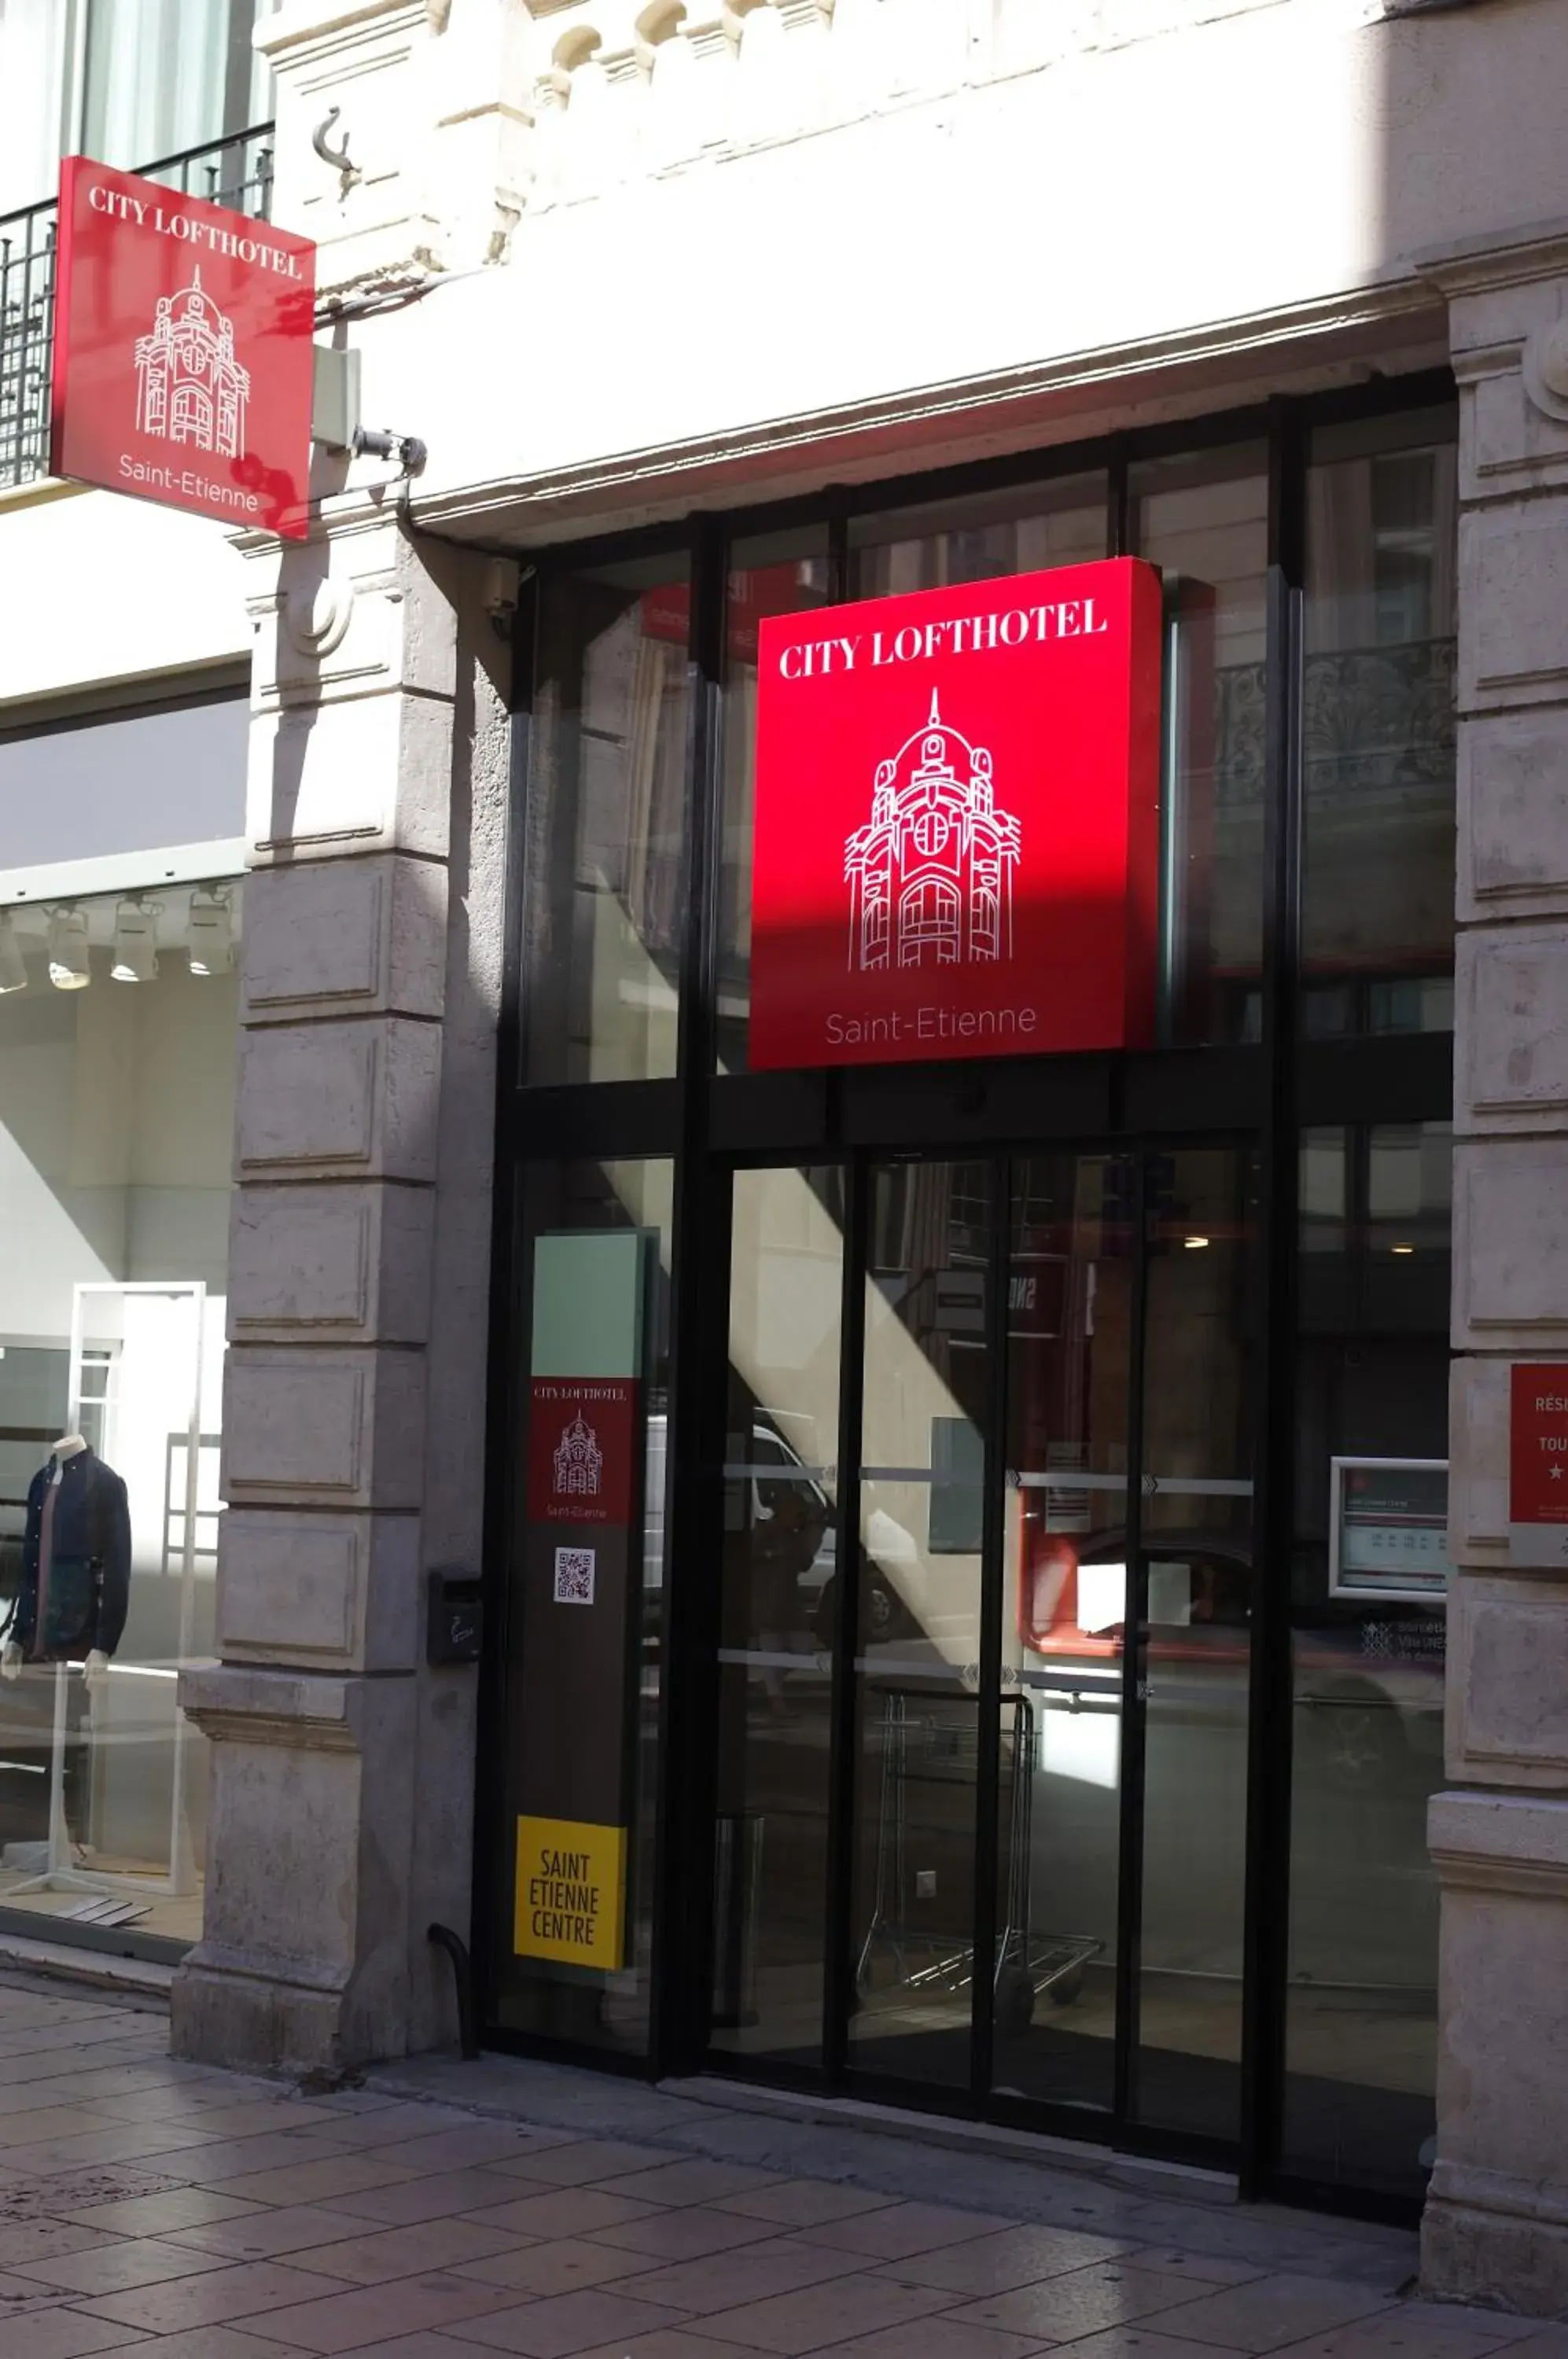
(504, 1386)
(1129, 1861)
(988, 1701)
(840, 1958)
(838, 551)
(1118, 509)
(1268, 1753)
(683, 1886)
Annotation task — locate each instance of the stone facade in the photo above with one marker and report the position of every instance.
(1496, 2220)
(343, 1769)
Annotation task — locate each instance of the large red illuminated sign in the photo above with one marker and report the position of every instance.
(182, 351)
(957, 821)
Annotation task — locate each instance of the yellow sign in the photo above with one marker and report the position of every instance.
(571, 1883)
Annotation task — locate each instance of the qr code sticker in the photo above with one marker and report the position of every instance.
(574, 1576)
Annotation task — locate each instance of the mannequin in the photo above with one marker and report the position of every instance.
(95, 1669)
(76, 1565)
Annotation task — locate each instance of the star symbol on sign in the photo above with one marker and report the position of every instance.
(1557, 1474)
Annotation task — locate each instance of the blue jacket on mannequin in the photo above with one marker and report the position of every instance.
(88, 1593)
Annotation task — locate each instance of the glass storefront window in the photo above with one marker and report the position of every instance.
(119, 1031)
(584, 1615)
(942, 543)
(1378, 767)
(1071, 1318)
(606, 813)
(1199, 1390)
(780, 574)
(926, 1443)
(1368, 1597)
(606, 824)
(1042, 1384)
(780, 1563)
(1203, 519)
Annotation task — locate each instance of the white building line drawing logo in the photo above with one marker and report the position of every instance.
(931, 875)
(579, 1462)
(190, 387)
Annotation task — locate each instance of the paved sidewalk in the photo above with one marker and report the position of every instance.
(196, 2214)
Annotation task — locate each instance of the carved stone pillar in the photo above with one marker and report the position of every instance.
(1497, 2220)
(342, 1768)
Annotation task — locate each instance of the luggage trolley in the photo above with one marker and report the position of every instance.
(934, 1741)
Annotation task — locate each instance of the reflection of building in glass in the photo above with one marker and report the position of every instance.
(190, 387)
(578, 1461)
(930, 875)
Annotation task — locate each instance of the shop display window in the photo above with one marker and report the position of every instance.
(118, 1038)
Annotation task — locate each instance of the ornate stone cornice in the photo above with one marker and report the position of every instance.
(1392, 323)
(306, 25)
(1504, 257)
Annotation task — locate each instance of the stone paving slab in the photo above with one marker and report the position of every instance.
(444, 2211)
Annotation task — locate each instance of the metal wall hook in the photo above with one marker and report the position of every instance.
(338, 156)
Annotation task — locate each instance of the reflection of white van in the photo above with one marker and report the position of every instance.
(881, 1603)
(768, 1448)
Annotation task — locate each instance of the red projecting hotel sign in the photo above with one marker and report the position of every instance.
(957, 821)
(182, 351)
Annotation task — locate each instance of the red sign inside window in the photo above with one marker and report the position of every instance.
(957, 821)
(182, 351)
(1538, 1462)
(667, 611)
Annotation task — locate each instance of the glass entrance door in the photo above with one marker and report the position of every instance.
(926, 1454)
(984, 1632)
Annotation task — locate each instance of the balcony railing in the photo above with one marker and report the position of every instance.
(236, 172)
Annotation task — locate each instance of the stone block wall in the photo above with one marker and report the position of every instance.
(1496, 2220)
(342, 1767)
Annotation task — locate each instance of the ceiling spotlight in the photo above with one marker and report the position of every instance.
(69, 969)
(211, 933)
(1194, 1244)
(1401, 1249)
(13, 973)
(136, 943)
